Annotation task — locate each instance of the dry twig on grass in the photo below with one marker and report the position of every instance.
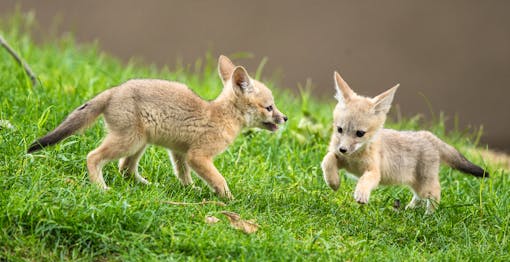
(204, 202)
(18, 59)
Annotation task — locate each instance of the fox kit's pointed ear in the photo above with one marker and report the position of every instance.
(382, 102)
(343, 91)
(225, 68)
(241, 80)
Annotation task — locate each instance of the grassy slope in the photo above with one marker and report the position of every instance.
(50, 211)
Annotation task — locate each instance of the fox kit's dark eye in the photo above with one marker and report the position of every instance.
(360, 133)
(269, 108)
(340, 130)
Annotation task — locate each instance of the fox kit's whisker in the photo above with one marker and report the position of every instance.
(375, 155)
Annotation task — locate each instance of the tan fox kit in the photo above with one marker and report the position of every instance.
(149, 111)
(375, 155)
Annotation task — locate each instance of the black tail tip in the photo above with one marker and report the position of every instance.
(34, 147)
(479, 172)
(470, 168)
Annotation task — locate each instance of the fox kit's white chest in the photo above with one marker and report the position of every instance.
(355, 166)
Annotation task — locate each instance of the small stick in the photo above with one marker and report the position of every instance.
(19, 60)
(204, 202)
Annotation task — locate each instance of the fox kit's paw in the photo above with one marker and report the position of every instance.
(105, 188)
(330, 171)
(332, 179)
(415, 202)
(361, 196)
(226, 195)
(334, 186)
(222, 190)
(186, 181)
(432, 205)
(141, 179)
(194, 187)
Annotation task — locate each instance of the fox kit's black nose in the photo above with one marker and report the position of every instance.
(342, 150)
(285, 118)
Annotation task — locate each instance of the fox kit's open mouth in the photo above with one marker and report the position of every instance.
(270, 126)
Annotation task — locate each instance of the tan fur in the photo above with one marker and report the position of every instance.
(385, 156)
(149, 111)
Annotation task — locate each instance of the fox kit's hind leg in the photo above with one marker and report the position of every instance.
(129, 165)
(181, 168)
(427, 187)
(113, 147)
(206, 170)
(330, 171)
(431, 192)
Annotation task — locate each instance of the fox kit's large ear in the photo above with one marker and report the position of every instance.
(225, 68)
(343, 91)
(382, 102)
(241, 81)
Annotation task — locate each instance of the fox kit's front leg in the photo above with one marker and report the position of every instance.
(366, 183)
(181, 168)
(330, 171)
(205, 169)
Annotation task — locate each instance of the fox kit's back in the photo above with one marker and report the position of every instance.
(168, 113)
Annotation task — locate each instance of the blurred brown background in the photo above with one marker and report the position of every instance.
(454, 53)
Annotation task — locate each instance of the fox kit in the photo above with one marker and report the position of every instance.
(375, 155)
(148, 111)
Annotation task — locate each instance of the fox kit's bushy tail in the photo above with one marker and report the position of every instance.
(80, 118)
(455, 159)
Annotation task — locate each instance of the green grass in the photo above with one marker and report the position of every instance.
(50, 211)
